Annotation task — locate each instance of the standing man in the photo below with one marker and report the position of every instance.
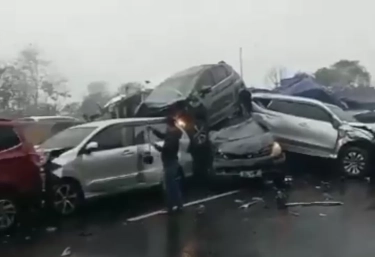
(169, 156)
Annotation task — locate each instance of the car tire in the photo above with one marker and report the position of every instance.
(9, 213)
(67, 197)
(354, 161)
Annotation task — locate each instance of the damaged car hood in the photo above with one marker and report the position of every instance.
(360, 130)
(244, 138)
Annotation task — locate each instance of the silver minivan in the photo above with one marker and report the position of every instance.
(106, 157)
(311, 127)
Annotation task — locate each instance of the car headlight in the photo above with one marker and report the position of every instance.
(276, 149)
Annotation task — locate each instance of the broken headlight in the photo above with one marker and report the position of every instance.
(276, 150)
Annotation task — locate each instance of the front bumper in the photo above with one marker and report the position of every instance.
(234, 167)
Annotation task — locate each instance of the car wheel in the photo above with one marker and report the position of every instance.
(8, 213)
(67, 197)
(354, 161)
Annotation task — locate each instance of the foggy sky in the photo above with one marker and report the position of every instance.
(122, 40)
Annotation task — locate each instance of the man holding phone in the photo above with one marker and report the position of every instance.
(169, 156)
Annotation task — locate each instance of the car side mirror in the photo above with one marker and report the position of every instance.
(205, 90)
(148, 159)
(90, 147)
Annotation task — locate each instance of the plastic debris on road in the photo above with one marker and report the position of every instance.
(66, 252)
(260, 199)
(316, 203)
(201, 209)
(327, 197)
(51, 229)
(296, 214)
(247, 205)
(281, 199)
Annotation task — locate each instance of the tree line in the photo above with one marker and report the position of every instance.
(29, 87)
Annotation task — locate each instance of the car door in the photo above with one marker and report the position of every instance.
(319, 135)
(153, 173)
(277, 114)
(149, 173)
(113, 166)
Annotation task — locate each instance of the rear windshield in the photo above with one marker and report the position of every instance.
(68, 138)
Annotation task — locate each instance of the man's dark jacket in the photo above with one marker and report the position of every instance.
(170, 148)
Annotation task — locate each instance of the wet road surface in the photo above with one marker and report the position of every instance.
(221, 228)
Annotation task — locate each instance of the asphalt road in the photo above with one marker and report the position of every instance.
(221, 228)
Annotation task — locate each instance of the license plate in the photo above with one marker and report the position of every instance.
(251, 174)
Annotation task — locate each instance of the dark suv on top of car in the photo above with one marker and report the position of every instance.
(20, 180)
(212, 89)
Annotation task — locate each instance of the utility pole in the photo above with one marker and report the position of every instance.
(241, 71)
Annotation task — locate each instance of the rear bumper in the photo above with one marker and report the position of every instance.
(228, 167)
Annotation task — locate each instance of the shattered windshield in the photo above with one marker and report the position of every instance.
(69, 138)
(341, 114)
(177, 86)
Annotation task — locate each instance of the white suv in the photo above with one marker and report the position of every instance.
(106, 157)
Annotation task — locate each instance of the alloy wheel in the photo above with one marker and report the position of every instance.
(8, 212)
(354, 163)
(66, 199)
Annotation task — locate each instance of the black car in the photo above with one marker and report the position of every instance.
(208, 90)
(246, 150)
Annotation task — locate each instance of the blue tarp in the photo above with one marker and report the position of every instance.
(305, 86)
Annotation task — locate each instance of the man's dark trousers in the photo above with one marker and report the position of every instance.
(172, 186)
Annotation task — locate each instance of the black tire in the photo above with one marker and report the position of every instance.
(73, 200)
(9, 213)
(354, 161)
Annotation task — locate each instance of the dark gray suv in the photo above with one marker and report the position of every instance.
(211, 89)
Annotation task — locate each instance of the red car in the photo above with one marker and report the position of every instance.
(20, 178)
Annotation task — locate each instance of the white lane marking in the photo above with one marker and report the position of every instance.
(214, 197)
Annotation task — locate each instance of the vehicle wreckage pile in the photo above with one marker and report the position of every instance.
(224, 135)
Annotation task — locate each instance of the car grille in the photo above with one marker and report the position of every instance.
(266, 151)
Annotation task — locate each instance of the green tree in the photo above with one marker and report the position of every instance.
(345, 73)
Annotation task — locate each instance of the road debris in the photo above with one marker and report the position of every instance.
(294, 213)
(327, 197)
(247, 205)
(322, 214)
(281, 199)
(260, 199)
(66, 252)
(316, 203)
(51, 229)
(201, 209)
(326, 186)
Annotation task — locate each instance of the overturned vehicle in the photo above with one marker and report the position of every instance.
(208, 92)
(246, 150)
